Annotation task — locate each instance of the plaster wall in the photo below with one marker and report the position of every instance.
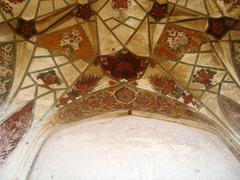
(131, 147)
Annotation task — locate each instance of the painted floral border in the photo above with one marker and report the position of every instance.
(7, 65)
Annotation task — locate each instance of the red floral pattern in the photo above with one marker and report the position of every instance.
(84, 11)
(104, 101)
(7, 7)
(85, 84)
(189, 99)
(124, 66)
(231, 5)
(158, 11)
(12, 130)
(125, 95)
(204, 76)
(120, 4)
(49, 78)
(175, 41)
(164, 84)
(6, 69)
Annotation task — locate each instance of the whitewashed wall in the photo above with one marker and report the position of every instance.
(134, 148)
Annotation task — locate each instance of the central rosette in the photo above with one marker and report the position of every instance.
(124, 66)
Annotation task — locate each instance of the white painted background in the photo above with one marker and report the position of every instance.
(134, 148)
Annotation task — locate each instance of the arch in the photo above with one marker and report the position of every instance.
(100, 144)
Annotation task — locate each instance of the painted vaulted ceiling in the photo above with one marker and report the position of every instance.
(63, 60)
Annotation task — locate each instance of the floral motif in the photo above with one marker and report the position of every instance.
(93, 101)
(3, 89)
(188, 99)
(49, 78)
(12, 130)
(158, 11)
(177, 40)
(124, 66)
(6, 54)
(125, 95)
(231, 5)
(204, 76)
(165, 85)
(70, 41)
(7, 7)
(6, 69)
(84, 85)
(129, 99)
(84, 11)
(5, 72)
(121, 6)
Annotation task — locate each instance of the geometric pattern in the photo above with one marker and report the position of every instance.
(65, 51)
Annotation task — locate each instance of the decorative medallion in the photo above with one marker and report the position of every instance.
(26, 28)
(218, 27)
(158, 11)
(84, 11)
(49, 78)
(6, 69)
(204, 76)
(72, 42)
(231, 111)
(125, 95)
(124, 66)
(13, 129)
(121, 6)
(175, 41)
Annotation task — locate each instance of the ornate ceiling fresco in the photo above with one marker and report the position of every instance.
(64, 60)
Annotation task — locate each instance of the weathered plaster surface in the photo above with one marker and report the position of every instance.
(131, 147)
